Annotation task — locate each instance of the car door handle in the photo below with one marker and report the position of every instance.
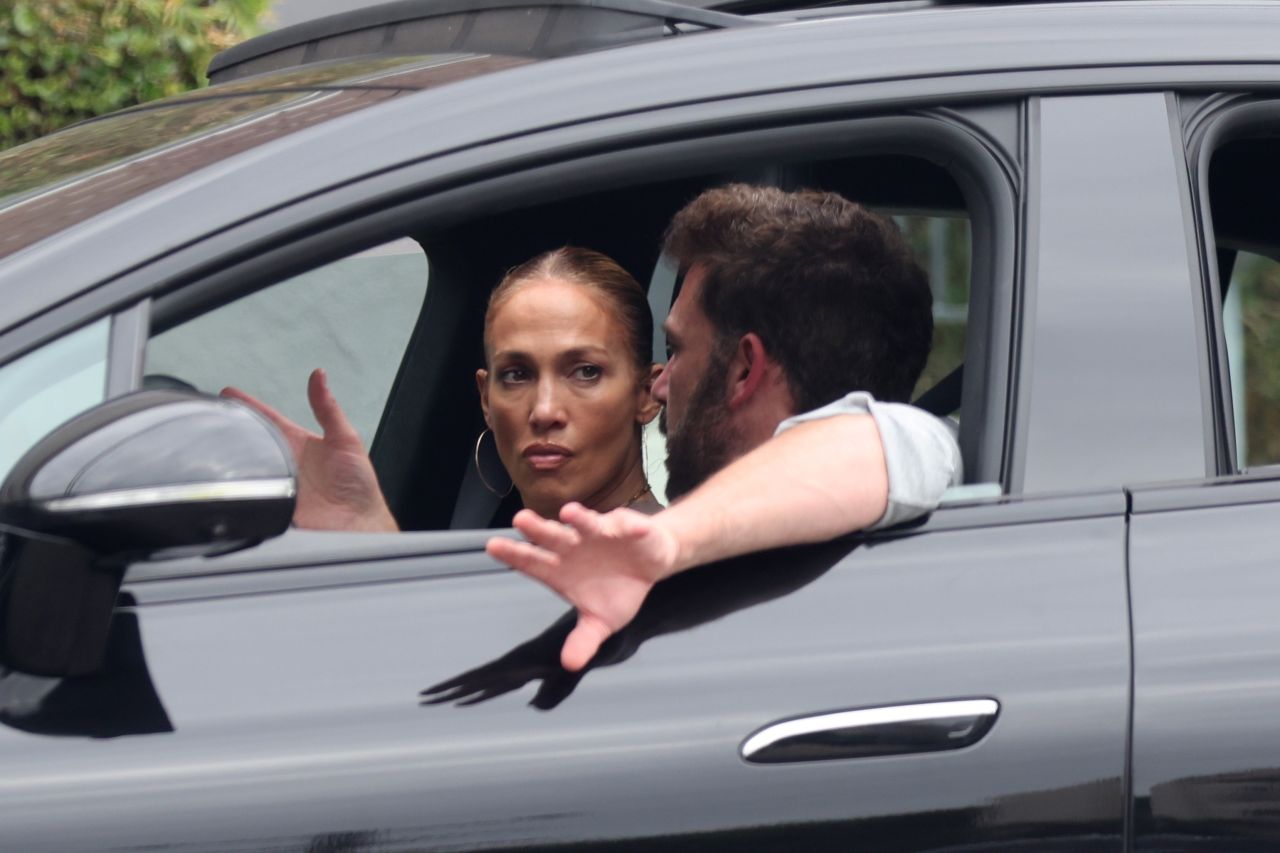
(868, 732)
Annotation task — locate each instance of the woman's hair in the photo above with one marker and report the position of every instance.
(594, 270)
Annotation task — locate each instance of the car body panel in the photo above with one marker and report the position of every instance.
(1112, 255)
(1206, 767)
(301, 716)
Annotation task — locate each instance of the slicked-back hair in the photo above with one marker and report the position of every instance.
(596, 271)
(831, 288)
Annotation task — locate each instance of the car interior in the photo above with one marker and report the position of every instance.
(426, 434)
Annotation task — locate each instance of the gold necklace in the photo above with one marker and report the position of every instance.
(644, 490)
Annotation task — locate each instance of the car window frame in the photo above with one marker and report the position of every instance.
(988, 181)
(452, 189)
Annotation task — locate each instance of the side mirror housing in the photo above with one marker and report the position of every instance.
(148, 474)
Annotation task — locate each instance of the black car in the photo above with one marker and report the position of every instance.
(1078, 651)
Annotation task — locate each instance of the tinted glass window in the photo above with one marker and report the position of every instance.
(352, 317)
(92, 145)
(66, 177)
(1251, 326)
(1244, 177)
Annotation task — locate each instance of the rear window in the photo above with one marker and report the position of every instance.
(1243, 180)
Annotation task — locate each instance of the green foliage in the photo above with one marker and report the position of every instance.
(941, 246)
(66, 60)
(1257, 279)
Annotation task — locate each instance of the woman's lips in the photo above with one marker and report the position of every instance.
(546, 457)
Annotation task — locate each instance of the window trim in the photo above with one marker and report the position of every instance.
(126, 347)
(976, 161)
(968, 141)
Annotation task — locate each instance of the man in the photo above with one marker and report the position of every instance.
(798, 302)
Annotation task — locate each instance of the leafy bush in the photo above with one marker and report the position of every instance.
(66, 60)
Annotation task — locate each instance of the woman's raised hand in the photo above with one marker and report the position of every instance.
(337, 486)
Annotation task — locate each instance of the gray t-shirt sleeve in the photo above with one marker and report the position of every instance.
(920, 452)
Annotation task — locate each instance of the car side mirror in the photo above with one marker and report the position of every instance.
(149, 474)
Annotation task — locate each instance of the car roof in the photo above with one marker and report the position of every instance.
(918, 54)
(530, 26)
(521, 25)
(542, 28)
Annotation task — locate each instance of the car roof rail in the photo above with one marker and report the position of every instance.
(541, 28)
(842, 8)
(746, 7)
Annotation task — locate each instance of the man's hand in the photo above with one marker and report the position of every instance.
(337, 487)
(604, 565)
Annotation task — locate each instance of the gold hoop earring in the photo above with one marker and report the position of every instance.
(480, 469)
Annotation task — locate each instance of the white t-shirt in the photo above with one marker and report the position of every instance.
(920, 452)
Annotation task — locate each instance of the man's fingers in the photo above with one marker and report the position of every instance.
(544, 532)
(333, 421)
(583, 642)
(632, 524)
(587, 522)
(523, 557)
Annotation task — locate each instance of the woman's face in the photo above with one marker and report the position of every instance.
(563, 397)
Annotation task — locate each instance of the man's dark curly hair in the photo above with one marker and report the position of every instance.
(830, 287)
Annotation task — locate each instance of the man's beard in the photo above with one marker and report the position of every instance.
(705, 439)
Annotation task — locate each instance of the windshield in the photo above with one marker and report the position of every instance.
(68, 176)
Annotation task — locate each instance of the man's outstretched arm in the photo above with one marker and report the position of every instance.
(816, 481)
(813, 482)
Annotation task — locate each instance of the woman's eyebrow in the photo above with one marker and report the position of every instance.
(585, 351)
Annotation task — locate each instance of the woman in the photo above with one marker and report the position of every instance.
(565, 387)
(564, 391)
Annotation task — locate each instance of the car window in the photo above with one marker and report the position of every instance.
(48, 386)
(1243, 180)
(426, 440)
(941, 246)
(353, 317)
(1251, 328)
(932, 214)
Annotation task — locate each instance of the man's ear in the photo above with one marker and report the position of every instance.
(482, 385)
(649, 405)
(748, 370)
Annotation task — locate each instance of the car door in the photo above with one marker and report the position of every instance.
(960, 682)
(1204, 587)
(271, 699)
(1202, 552)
